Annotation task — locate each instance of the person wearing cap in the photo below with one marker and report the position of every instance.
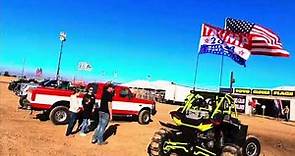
(75, 108)
(87, 103)
(105, 114)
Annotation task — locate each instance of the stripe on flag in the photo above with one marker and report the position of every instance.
(264, 41)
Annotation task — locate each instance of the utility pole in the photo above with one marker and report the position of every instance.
(232, 81)
(23, 69)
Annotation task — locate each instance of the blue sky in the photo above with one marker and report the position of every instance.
(139, 38)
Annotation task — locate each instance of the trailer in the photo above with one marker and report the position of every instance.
(176, 94)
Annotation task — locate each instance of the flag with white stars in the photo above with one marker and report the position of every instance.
(263, 40)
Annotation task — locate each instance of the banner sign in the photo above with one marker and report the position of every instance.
(242, 91)
(261, 92)
(240, 102)
(217, 41)
(283, 93)
(226, 90)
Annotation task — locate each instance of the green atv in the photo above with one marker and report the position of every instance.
(204, 127)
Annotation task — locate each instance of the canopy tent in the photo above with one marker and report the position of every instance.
(290, 88)
(141, 84)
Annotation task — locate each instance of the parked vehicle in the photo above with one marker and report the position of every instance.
(55, 103)
(15, 85)
(22, 93)
(25, 87)
(56, 84)
(207, 127)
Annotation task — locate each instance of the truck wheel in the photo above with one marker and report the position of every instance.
(59, 115)
(144, 117)
(251, 147)
(231, 150)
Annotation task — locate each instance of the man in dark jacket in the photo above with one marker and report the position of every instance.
(87, 103)
(105, 114)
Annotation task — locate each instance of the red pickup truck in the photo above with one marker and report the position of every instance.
(55, 102)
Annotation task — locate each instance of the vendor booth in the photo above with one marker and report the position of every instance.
(268, 102)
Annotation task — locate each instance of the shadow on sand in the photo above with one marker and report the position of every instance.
(112, 130)
(42, 116)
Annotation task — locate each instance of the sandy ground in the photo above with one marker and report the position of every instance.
(21, 134)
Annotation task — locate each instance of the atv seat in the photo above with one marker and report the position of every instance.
(189, 121)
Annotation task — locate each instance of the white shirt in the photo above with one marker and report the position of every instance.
(74, 104)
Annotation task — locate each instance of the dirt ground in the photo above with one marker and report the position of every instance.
(22, 134)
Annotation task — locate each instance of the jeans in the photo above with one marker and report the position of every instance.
(102, 124)
(84, 126)
(286, 117)
(72, 122)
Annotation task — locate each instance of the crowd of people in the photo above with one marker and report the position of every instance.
(83, 111)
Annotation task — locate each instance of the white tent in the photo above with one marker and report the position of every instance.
(161, 84)
(173, 92)
(140, 84)
(291, 88)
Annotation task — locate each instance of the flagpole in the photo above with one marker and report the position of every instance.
(221, 71)
(196, 71)
(221, 63)
(197, 62)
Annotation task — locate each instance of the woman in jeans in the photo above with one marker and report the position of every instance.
(75, 108)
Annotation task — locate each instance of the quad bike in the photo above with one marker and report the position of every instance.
(204, 127)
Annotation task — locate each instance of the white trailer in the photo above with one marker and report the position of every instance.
(176, 93)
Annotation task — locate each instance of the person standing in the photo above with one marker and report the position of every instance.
(252, 105)
(87, 103)
(75, 108)
(286, 113)
(105, 114)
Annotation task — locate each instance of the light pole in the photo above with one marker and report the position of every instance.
(62, 38)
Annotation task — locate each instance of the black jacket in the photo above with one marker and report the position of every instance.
(88, 103)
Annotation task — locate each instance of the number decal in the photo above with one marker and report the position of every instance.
(220, 41)
(213, 40)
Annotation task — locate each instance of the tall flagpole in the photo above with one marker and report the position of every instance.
(221, 63)
(197, 61)
(196, 70)
(221, 71)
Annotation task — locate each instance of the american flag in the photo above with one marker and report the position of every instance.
(264, 41)
(38, 72)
